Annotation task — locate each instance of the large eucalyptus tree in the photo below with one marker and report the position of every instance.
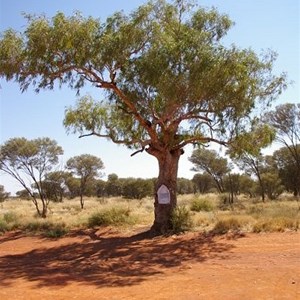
(169, 80)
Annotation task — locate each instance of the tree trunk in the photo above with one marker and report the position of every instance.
(262, 187)
(168, 169)
(81, 201)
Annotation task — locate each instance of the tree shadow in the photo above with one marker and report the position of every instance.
(110, 260)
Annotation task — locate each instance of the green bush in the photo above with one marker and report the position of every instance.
(112, 216)
(46, 228)
(8, 221)
(201, 205)
(181, 219)
(56, 231)
(3, 226)
(10, 217)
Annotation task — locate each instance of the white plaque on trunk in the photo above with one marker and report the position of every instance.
(163, 194)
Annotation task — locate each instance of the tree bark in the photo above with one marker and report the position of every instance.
(168, 169)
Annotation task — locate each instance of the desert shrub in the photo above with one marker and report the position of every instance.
(229, 224)
(46, 228)
(181, 219)
(56, 231)
(8, 221)
(199, 204)
(10, 217)
(113, 216)
(3, 226)
(278, 224)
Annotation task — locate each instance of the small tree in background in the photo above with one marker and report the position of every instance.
(29, 161)
(113, 185)
(203, 183)
(55, 185)
(86, 167)
(285, 119)
(288, 170)
(3, 195)
(210, 162)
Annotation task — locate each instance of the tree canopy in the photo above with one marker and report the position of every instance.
(86, 167)
(29, 161)
(169, 79)
(209, 161)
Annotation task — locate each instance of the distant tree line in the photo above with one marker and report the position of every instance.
(266, 176)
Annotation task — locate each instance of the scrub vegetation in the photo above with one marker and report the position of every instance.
(206, 213)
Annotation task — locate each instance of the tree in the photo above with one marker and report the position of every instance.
(184, 186)
(87, 167)
(73, 186)
(203, 183)
(169, 80)
(231, 184)
(287, 169)
(33, 159)
(3, 195)
(113, 185)
(253, 165)
(210, 162)
(137, 188)
(54, 185)
(247, 185)
(285, 119)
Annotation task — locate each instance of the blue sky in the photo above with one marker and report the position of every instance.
(259, 24)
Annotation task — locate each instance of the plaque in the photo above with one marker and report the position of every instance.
(163, 195)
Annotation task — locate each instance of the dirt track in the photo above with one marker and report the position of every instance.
(108, 265)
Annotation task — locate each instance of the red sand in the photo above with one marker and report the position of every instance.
(106, 264)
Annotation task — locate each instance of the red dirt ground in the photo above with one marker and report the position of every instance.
(105, 264)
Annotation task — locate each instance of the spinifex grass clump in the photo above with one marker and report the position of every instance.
(8, 221)
(113, 216)
(232, 223)
(46, 228)
(277, 224)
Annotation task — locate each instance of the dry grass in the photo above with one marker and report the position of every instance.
(213, 214)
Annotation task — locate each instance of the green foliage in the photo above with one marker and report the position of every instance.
(272, 185)
(10, 217)
(57, 231)
(163, 64)
(137, 188)
(168, 78)
(203, 182)
(115, 216)
(86, 167)
(285, 119)
(199, 204)
(46, 228)
(262, 134)
(30, 159)
(211, 163)
(3, 226)
(288, 171)
(113, 185)
(184, 186)
(181, 219)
